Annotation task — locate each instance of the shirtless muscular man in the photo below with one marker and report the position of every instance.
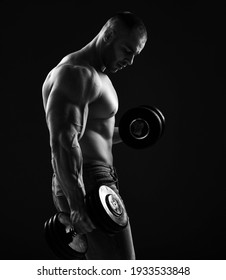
(80, 104)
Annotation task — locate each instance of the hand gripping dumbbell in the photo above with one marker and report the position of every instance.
(106, 210)
(142, 126)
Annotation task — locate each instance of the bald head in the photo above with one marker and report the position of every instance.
(121, 38)
(129, 21)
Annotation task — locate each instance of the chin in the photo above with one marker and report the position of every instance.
(112, 69)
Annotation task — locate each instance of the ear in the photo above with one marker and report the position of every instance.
(109, 35)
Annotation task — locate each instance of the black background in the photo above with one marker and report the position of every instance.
(175, 190)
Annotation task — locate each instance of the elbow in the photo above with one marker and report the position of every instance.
(64, 140)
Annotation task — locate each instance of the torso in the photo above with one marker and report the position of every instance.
(96, 139)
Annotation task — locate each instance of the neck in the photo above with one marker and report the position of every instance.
(92, 53)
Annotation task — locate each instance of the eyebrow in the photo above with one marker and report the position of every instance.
(132, 50)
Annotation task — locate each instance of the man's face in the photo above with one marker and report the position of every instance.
(123, 49)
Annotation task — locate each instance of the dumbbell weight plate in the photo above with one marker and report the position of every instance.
(145, 117)
(63, 242)
(139, 128)
(58, 236)
(107, 210)
(52, 242)
(159, 113)
(113, 206)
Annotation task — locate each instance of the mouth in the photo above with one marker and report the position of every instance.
(120, 66)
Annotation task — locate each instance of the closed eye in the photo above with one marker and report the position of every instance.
(127, 51)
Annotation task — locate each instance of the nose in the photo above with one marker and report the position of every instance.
(129, 59)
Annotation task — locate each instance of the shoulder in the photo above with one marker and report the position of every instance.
(71, 79)
(68, 75)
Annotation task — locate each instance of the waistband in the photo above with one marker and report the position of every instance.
(97, 163)
(99, 173)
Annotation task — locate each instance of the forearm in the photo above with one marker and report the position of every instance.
(116, 137)
(67, 165)
(68, 168)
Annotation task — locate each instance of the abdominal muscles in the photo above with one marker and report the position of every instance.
(96, 142)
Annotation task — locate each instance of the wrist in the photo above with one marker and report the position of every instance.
(76, 201)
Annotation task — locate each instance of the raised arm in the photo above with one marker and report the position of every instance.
(66, 113)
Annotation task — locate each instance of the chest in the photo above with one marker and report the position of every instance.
(106, 105)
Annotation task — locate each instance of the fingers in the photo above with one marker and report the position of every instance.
(78, 220)
(65, 219)
(81, 222)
